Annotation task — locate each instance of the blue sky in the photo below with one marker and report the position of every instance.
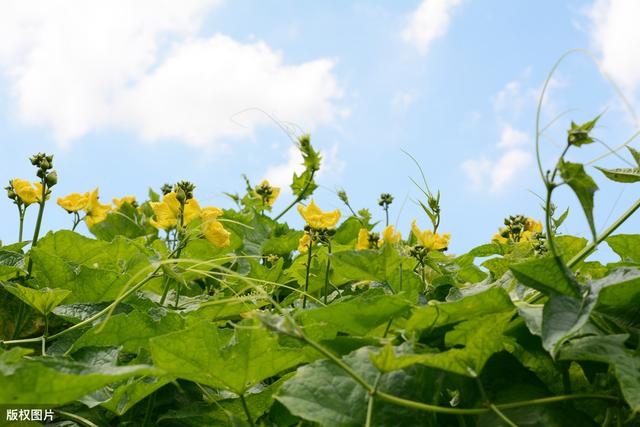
(129, 96)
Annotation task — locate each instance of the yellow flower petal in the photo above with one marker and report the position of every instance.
(26, 191)
(363, 239)
(215, 233)
(389, 235)
(95, 211)
(165, 218)
(303, 243)
(126, 199)
(429, 239)
(317, 218)
(73, 202)
(191, 211)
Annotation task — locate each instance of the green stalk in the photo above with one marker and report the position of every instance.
(246, 410)
(586, 251)
(326, 274)
(306, 279)
(299, 198)
(21, 212)
(36, 232)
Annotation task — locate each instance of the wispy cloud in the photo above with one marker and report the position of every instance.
(76, 67)
(428, 22)
(616, 34)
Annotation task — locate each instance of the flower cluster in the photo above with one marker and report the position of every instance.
(518, 228)
(370, 240)
(89, 203)
(430, 240)
(320, 225)
(167, 214)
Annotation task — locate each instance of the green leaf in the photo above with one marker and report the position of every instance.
(223, 358)
(579, 134)
(627, 246)
(546, 275)
(635, 154)
(563, 316)
(55, 381)
(123, 222)
(493, 300)
(11, 264)
(322, 392)
(480, 338)
(624, 175)
(130, 331)
(583, 186)
(43, 300)
(610, 349)
(359, 315)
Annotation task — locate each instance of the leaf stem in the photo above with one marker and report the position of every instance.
(306, 278)
(246, 411)
(36, 231)
(301, 196)
(327, 271)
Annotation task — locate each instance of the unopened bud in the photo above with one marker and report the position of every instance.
(52, 179)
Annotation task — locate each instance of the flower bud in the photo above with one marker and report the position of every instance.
(181, 196)
(51, 179)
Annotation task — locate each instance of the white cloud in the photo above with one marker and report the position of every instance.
(428, 22)
(280, 174)
(78, 66)
(510, 137)
(616, 34)
(495, 175)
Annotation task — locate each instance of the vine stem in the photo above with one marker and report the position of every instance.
(299, 198)
(36, 231)
(111, 306)
(326, 274)
(246, 410)
(441, 409)
(586, 251)
(306, 278)
(21, 213)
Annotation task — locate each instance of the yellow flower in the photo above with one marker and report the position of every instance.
(303, 243)
(499, 238)
(74, 202)
(318, 219)
(270, 198)
(167, 211)
(363, 239)
(126, 199)
(191, 211)
(429, 239)
(95, 211)
(212, 229)
(27, 192)
(533, 225)
(390, 235)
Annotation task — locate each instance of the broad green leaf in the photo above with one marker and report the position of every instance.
(480, 338)
(123, 222)
(546, 275)
(570, 245)
(322, 392)
(583, 186)
(358, 315)
(11, 263)
(627, 246)
(55, 381)
(563, 316)
(610, 349)
(131, 391)
(621, 288)
(43, 300)
(347, 232)
(624, 175)
(436, 314)
(130, 331)
(233, 359)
